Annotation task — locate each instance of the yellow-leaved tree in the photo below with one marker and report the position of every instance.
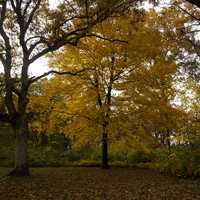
(129, 77)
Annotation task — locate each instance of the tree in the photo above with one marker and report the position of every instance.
(140, 73)
(149, 91)
(47, 101)
(30, 30)
(109, 64)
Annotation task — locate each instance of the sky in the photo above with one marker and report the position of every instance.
(39, 67)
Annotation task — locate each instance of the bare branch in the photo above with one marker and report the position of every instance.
(32, 38)
(71, 38)
(71, 6)
(33, 46)
(185, 11)
(122, 73)
(71, 73)
(26, 7)
(30, 19)
(3, 11)
(104, 38)
(16, 91)
(13, 4)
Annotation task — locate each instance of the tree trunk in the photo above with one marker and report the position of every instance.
(104, 149)
(44, 139)
(168, 142)
(21, 165)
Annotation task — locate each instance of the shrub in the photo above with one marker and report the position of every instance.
(6, 156)
(71, 156)
(139, 156)
(89, 163)
(183, 163)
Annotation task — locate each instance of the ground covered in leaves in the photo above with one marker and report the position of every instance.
(97, 184)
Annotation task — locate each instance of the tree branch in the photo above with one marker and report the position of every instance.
(26, 7)
(70, 38)
(185, 11)
(104, 38)
(16, 91)
(34, 79)
(30, 19)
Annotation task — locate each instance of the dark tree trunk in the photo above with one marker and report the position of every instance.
(21, 154)
(104, 149)
(162, 138)
(106, 113)
(168, 140)
(44, 139)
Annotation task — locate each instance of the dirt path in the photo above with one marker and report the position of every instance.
(98, 184)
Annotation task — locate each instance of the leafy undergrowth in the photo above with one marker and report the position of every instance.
(3, 172)
(97, 184)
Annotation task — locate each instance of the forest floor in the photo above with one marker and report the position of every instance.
(76, 183)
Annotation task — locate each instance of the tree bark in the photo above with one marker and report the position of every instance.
(44, 139)
(104, 149)
(168, 142)
(21, 154)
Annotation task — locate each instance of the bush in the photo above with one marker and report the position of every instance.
(117, 157)
(50, 156)
(160, 154)
(139, 156)
(6, 156)
(89, 163)
(183, 163)
(71, 156)
(43, 156)
(174, 166)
